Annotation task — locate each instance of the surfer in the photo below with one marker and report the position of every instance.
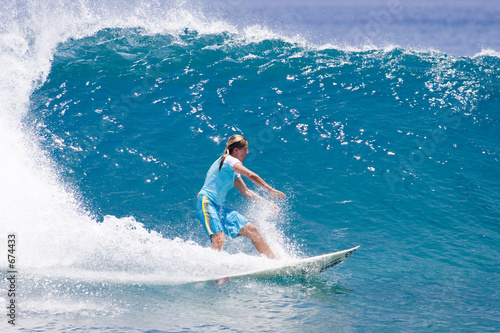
(225, 173)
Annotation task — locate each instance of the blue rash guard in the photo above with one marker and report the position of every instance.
(218, 183)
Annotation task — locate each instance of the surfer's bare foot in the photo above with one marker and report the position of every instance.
(220, 281)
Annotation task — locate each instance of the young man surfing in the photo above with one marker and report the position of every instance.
(224, 174)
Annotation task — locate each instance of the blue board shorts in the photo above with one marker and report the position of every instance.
(216, 218)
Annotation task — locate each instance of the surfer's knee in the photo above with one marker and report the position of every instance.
(217, 240)
(261, 245)
(250, 231)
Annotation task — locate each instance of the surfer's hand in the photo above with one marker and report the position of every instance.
(277, 194)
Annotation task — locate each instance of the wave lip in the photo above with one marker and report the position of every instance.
(487, 53)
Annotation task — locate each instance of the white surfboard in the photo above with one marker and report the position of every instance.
(301, 267)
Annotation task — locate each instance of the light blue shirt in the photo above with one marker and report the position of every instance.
(218, 183)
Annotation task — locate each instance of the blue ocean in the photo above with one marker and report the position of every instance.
(380, 121)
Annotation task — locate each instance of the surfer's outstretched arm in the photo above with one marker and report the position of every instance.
(255, 178)
(251, 195)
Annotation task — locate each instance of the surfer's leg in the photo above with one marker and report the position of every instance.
(217, 240)
(208, 214)
(251, 231)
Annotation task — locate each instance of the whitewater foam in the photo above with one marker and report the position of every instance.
(487, 53)
(56, 234)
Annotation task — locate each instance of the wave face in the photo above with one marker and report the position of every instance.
(111, 119)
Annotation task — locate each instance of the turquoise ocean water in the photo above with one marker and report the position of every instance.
(380, 133)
